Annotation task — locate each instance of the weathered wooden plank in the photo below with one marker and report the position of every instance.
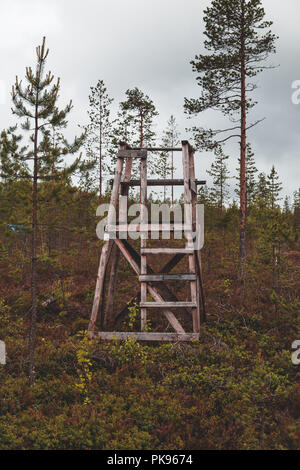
(106, 248)
(109, 307)
(167, 251)
(100, 283)
(166, 277)
(162, 182)
(168, 314)
(201, 287)
(132, 153)
(168, 304)
(115, 255)
(188, 145)
(195, 287)
(193, 186)
(145, 336)
(188, 173)
(172, 263)
(160, 149)
(128, 256)
(144, 216)
(112, 228)
(187, 193)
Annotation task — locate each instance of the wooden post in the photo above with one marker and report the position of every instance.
(200, 288)
(189, 221)
(106, 248)
(115, 256)
(144, 220)
(203, 312)
(195, 229)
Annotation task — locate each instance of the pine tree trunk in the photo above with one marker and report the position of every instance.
(34, 254)
(141, 142)
(243, 182)
(141, 131)
(100, 155)
(221, 193)
(172, 172)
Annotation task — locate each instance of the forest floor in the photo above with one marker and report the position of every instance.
(236, 388)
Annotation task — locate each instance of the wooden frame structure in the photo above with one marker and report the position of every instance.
(150, 282)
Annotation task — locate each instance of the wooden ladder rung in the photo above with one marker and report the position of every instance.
(145, 336)
(168, 304)
(167, 251)
(166, 277)
(148, 228)
(165, 182)
(132, 153)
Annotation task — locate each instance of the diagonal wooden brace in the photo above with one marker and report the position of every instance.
(152, 290)
(166, 269)
(162, 287)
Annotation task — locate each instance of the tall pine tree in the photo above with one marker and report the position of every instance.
(171, 139)
(36, 104)
(141, 112)
(138, 112)
(99, 131)
(274, 186)
(238, 41)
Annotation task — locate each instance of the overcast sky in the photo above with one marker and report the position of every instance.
(149, 44)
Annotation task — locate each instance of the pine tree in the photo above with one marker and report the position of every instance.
(204, 196)
(36, 105)
(262, 193)
(286, 206)
(287, 212)
(140, 112)
(261, 188)
(296, 210)
(220, 175)
(238, 41)
(163, 168)
(14, 174)
(274, 186)
(121, 132)
(12, 163)
(99, 130)
(251, 171)
(171, 139)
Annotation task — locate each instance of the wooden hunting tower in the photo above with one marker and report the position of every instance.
(153, 284)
